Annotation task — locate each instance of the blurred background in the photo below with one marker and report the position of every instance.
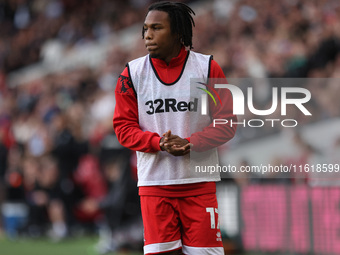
(66, 184)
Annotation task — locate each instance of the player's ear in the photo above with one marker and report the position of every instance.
(180, 38)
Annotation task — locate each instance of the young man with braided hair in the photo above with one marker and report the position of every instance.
(153, 106)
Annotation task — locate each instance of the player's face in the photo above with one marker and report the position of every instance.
(159, 40)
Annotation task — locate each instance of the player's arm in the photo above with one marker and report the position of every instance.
(125, 119)
(211, 137)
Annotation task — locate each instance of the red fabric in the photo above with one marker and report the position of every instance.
(7, 136)
(89, 178)
(92, 184)
(187, 218)
(180, 190)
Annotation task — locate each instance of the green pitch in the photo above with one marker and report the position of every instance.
(76, 246)
(72, 246)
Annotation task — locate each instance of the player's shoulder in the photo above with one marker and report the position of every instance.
(201, 55)
(215, 70)
(201, 59)
(124, 84)
(126, 71)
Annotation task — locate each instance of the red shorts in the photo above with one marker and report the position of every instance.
(190, 223)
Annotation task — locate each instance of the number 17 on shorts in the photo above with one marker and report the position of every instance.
(190, 223)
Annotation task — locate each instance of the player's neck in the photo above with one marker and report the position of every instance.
(174, 53)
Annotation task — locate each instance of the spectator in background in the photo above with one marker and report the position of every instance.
(121, 204)
(44, 198)
(121, 225)
(92, 188)
(47, 199)
(3, 157)
(3, 167)
(67, 150)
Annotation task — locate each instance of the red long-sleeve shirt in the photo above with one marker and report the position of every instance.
(130, 135)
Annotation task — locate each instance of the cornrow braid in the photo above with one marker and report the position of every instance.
(181, 20)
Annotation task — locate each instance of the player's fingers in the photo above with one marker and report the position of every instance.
(168, 133)
(187, 146)
(174, 143)
(180, 149)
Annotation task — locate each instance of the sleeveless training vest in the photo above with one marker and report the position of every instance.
(175, 106)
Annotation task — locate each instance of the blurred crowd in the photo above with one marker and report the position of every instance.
(58, 151)
(26, 25)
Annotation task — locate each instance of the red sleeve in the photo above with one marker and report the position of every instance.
(125, 119)
(211, 137)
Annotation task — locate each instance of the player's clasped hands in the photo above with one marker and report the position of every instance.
(174, 144)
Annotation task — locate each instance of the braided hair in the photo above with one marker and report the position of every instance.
(181, 20)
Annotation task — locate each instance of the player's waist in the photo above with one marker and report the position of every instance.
(179, 190)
